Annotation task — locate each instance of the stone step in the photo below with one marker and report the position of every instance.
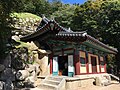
(46, 86)
(52, 82)
(55, 78)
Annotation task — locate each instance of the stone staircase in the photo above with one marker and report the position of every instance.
(115, 77)
(53, 83)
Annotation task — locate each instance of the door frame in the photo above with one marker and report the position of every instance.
(95, 64)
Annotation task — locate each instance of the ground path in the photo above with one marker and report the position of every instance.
(114, 86)
(110, 87)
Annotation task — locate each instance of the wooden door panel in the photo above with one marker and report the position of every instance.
(94, 64)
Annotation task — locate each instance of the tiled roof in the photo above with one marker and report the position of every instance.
(63, 33)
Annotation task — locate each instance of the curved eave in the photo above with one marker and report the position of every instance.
(99, 45)
(29, 37)
(41, 31)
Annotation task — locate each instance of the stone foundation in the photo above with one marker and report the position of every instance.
(88, 80)
(74, 83)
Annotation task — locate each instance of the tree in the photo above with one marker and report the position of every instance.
(4, 30)
(6, 7)
(64, 15)
(38, 7)
(101, 19)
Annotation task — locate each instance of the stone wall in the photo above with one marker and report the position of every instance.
(75, 83)
(102, 79)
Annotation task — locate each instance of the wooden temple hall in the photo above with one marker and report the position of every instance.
(72, 53)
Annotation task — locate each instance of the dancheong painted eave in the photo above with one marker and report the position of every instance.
(60, 33)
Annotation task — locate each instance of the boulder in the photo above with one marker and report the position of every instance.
(30, 82)
(37, 68)
(22, 74)
(30, 68)
(31, 79)
(8, 85)
(20, 84)
(103, 80)
(32, 46)
(19, 56)
(2, 67)
(44, 65)
(15, 37)
(1, 85)
(8, 73)
(7, 61)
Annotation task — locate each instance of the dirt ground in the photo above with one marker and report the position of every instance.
(110, 87)
(114, 86)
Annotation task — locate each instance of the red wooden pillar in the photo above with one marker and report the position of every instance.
(87, 61)
(105, 68)
(76, 62)
(99, 60)
(51, 63)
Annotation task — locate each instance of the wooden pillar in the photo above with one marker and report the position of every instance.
(105, 68)
(62, 52)
(87, 62)
(99, 63)
(51, 63)
(76, 62)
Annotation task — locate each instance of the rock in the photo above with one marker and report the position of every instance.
(7, 61)
(42, 51)
(31, 79)
(20, 84)
(30, 68)
(37, 82)
(8, 73)
(44, 65)
(22, 74)
(18, 65)
(15, 37)
(1, 85)
(30, 82)
(2, 67)
(103, 80)
(8, 85)
(37, 68)
(19, 56)
(32, 46)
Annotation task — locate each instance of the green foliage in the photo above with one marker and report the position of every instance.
(101, 19)
(38, 7)
(110, 61)
(5, 9)
(64, 15)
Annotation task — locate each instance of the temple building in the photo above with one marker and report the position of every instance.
(70, 53)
